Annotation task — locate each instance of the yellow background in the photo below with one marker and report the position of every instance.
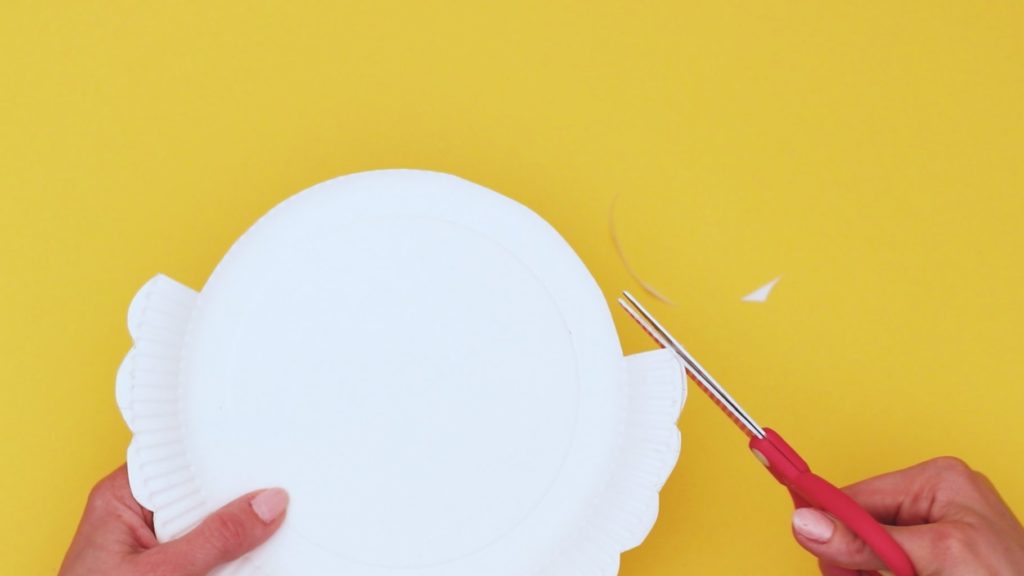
(868, 152)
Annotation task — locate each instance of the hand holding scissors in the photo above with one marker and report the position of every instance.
(806, 488)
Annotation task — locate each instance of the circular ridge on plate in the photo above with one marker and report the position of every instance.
(429, 369)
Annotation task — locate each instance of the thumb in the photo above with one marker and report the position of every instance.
(839, 548)
(226, 535)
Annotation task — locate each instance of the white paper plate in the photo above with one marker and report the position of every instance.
(429, 370)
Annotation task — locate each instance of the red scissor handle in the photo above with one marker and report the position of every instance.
(809, 489)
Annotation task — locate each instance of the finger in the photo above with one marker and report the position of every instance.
(837, 546)
(112, 494)
(113, 511)
(939, 489)
(832, 542)
(928, 492)
(228, 534)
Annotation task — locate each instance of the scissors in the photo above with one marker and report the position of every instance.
(806, 488)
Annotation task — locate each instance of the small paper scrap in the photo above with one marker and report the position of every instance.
(622, 256)
(761, 294)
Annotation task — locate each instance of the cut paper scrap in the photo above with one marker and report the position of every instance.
(761, 294)
(625, 262)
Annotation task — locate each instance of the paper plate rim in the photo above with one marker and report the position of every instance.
(160, 477)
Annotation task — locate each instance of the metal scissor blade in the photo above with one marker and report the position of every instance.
(699, 374)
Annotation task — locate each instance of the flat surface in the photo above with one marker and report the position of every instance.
(868, 154)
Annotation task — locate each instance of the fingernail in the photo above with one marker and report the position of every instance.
(270, 504)
(813, 525)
